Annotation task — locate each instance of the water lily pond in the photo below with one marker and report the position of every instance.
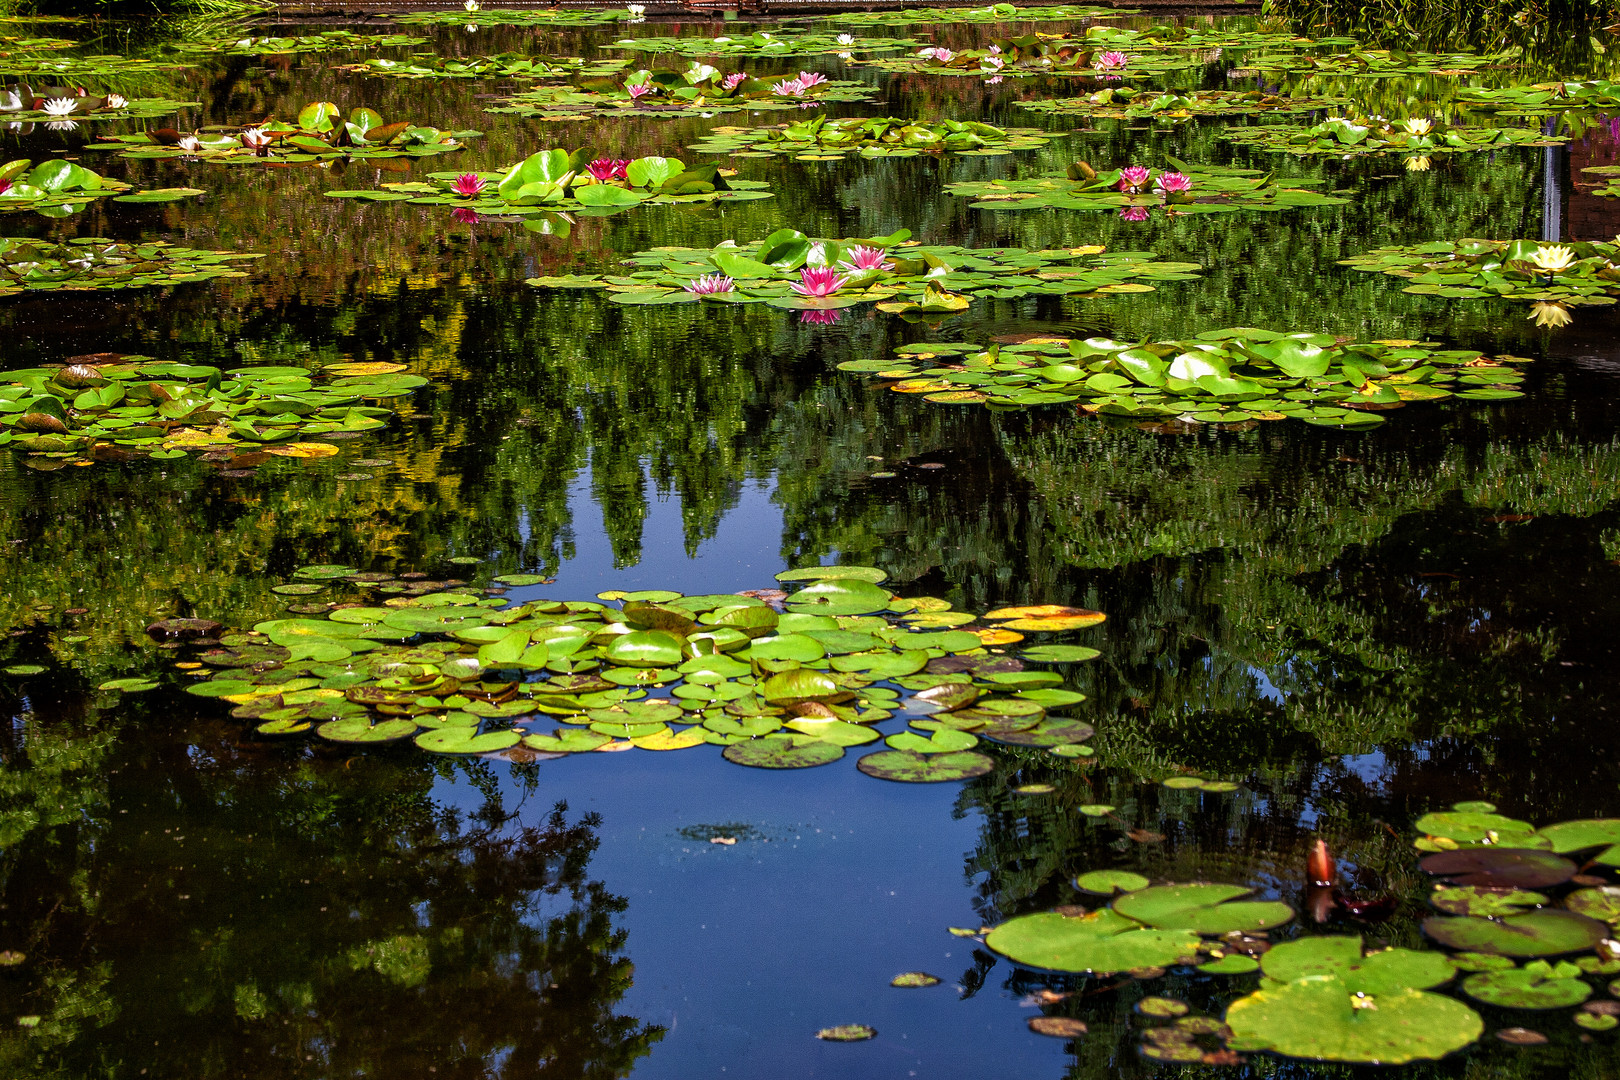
(664, 541)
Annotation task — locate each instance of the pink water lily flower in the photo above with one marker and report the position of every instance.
(731, 82)
(1134, 213)
(811, 78)
(788, 88)
(1134, 178)
(944, 56)
(821, 318)
(862, 257)
(608, 168)
(991, 63)
(1173, 183)
(993, 80)
(470, 185)
(1110, 61)
(639, 91)
(818, 281)
(710, 284)
(466, 215)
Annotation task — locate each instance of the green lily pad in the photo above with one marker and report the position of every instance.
(1320, 1018)
(1486, 902)
(1548, 932)
(913, 768)
(1537, 985)
(1102, 941)
(870, 574)
(1473, 827)
(1060, 654)
(567, 741)
(784, 752)
(462, 739)
(914, 979)
(1205, 909)
(1375, 973)
(1052, 731)
(1109, 882)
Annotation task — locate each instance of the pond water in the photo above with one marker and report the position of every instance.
(1356, 625)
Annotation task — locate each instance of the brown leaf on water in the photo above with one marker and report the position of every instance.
(1145, 836)
(1059, 1027)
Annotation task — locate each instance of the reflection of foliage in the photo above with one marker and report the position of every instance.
(417, 935)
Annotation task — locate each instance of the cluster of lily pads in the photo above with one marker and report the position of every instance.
(93, 263)
(788, 269)
(1041, 54)
(474, 15)
(110, 406)
(320, 132)
(993, 13)
(1514, 943)
(1418, 136)
(1378, 63)
(1128, 103)
(698, 89)
(326, 41)
(1552, 276)
(77, 68)
(785, 681)
(1544, 97)
(505, 66)
(823, 138)
(551, 180)
(1137, 190)
(65, 106)
(768, 44)
(1220, 377)
(55, 188)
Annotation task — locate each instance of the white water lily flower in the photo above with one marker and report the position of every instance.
(471, 28)
(62, 125)
(190, 144)
(471, 5)
(60, 106)
(1554, 258)
(1417, 125)
(636, 10)
(255, 138)
(116, 101)
(846, 39)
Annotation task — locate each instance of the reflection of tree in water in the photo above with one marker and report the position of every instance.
(230, 909)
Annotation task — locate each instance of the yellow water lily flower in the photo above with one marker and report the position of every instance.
(1553, 258)
(1417, 125)
(1550, 314)
(1417, 164)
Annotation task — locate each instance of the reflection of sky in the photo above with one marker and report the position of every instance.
(742, 554)
(744, 952)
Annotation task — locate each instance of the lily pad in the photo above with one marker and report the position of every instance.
(1375, 973)
(1500, 867)
(1206, 909)
(1486, 902)
(1548, 932)
(784, 752)
(1320, 1018)
(1101, 941)
(1537, 985)
(1109, 882)
(909, 767)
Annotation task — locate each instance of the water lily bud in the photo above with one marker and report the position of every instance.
(1319, 868)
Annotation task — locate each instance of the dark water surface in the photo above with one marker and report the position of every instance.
(1359, 626)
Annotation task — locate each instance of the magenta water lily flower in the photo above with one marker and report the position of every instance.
(731, 82)
(811, 78)
(710, 284)
(605, 169)
(862, 257)
(639, 91)
(1134, 213)
(470, 185)
(824, 317)
(1134, 178)
(788, 88)
(466, 215)
(1110, 61)
(818, 281)
(1173, 183)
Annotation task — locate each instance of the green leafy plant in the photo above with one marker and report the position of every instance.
(823, 137)
(319, 132)
(113, 407)
(326, 41)
(1220, 377)
(1170, 107)
(1554, 276)
(1418, 136)
(1136, 190)
(560, 180)
(791, 270)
